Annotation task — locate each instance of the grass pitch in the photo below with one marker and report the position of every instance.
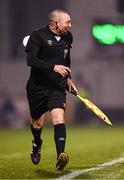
(87, 147)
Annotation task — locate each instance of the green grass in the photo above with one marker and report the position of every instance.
(87, 147)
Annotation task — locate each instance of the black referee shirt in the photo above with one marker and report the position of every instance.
(45, 49)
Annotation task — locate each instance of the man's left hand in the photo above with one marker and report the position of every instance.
(71, 86)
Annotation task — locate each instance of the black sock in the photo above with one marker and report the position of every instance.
(36, 134)
(60, 137)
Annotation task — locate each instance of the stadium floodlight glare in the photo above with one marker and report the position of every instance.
(108, 34)
(104, 33)
(120, 33)
(25, 40)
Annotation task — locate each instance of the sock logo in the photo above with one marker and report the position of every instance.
(61, 139)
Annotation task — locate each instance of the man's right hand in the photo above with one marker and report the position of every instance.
(63, 70)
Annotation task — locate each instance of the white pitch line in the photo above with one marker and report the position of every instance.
(101, 166)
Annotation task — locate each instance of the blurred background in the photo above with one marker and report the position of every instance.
(97, 58)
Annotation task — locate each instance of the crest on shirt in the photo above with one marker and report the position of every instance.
(65, 53)
(50, 42)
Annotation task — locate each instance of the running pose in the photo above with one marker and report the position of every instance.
(48, 55)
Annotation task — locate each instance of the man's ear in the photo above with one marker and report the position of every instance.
(56, 24)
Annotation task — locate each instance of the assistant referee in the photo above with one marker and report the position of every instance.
(48, 55)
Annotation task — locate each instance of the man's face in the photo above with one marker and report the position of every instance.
(64, 23)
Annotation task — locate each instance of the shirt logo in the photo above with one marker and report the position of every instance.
(49, 42)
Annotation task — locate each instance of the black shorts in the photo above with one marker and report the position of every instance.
(43, 99)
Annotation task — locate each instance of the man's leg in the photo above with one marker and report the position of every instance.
(57, 116)
(36, 129)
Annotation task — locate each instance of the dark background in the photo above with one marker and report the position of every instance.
(101, 67)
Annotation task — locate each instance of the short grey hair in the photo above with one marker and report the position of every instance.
(55, 14)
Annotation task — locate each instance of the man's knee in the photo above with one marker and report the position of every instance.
(57, 116)
(38, 123)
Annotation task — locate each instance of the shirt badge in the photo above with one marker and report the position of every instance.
(65, 53)
(50, 42)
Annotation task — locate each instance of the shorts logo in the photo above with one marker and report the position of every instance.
(63, 104)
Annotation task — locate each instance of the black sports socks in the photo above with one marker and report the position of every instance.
(36, 133)
(60, 137)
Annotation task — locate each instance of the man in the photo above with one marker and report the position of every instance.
(48, 55)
